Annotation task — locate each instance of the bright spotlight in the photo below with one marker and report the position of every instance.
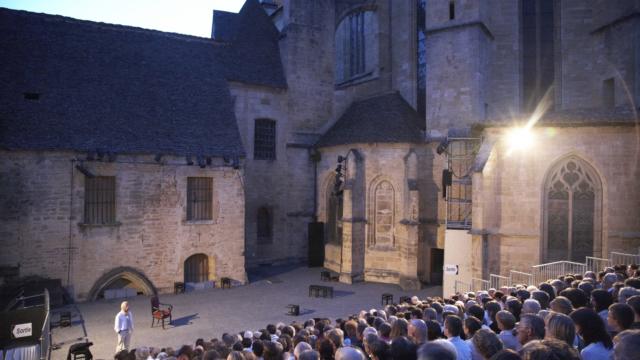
(519, 139)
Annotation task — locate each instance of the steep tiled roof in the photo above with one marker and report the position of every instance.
(621, 115)
(384, 118)
(224, 25)
(252, 53)
(111, 88)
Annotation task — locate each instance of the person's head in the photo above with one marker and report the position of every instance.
(608, 280)
(506, 320)
(561, 305)
(235, 355)
(302, 346)
(476, 311)
(506, 354)
(434, 331)
(309, 355)
(337, 336)
(530, 327)
(272, 351)
(550, 290)
(378, 350)
(258, 348)
(535, 350)
(384, 330)
(124, 306)
(437, 350)
(620, 317)
(561, 327)
(399, 328)
(349, 353)
(634, 302)
(351, 329)
(530, 306)
(487, 343)
(627, 345)
(627, 292)
(560, 350)
(453, 326)
(471, 325)
(417, 331)
(326, 348)
(542, 297)
(590, 327)
(577, 297)
(430, 314)
(514, 306)
(403, 348)
(492, 308)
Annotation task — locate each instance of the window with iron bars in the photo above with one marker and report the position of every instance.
(264, 140)
(199, 198)
(100, 200)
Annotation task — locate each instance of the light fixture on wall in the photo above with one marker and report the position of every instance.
(201, 161)
(189, 160)
(338, 182)
(442, 147)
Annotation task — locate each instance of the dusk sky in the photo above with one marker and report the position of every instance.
(191, 17)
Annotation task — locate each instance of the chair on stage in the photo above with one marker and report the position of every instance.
(160, 311)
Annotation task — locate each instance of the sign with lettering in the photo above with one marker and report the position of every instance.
(451, 269)
(21, 330)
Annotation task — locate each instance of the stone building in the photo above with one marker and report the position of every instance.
(388, 123)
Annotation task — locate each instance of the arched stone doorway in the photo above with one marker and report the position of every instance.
(122, 278)
(196, 268)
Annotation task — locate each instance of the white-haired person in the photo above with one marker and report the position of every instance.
(123, 327)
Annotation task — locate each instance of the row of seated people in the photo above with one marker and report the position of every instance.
(578, 316)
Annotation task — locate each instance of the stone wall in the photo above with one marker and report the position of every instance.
(42, 202)
(509, 192)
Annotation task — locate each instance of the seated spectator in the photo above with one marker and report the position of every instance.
(627, 345)
(591, 329)
(403, 348)
(561, 305)
(627, 292)
(530, 328)
(437, 350)
(418, 331)
(487, 343)
(453, 331)
(560, 327)
(620, 317)
(634, 302)
(506, 323)
(349, 353)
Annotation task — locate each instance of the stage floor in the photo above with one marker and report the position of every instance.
(209, 313)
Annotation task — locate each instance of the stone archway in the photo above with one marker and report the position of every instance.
(132, 277)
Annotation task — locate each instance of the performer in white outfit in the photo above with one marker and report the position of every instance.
(124, 327)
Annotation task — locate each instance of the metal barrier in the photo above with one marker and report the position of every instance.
(461, 287)
(596, 264)
(498, 281)
(544, 272)
(45, 337)
(519, 277)
(479, 284)
(618, 258)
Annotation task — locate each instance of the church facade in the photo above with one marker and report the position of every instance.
(386, 124)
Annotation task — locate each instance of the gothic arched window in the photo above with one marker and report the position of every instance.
(572, 192)
(383, 210)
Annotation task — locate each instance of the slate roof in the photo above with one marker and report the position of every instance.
(111, 88)
(251, 54)
(621, 115)
(386, 118)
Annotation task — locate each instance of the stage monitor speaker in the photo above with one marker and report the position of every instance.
(316, 244)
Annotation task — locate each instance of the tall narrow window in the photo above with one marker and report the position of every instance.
(571, 211)
(452, 9)
(199, 198)
(265, 226)
(538, 61)
(354, 34)
(608, 93)
(381, 214)
(264, 140)
(100, 200)
(333, 233)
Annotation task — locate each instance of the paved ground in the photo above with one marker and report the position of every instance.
(209, 313)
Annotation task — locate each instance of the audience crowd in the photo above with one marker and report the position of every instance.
(578, 316)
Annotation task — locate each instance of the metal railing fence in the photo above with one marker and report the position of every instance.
(461, 287)
(596, 264)
(544, 272)
(479, 284)
(618, 258)
(498, 281)
(519, 277)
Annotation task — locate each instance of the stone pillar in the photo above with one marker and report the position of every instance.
(353, 220)
(409, 272)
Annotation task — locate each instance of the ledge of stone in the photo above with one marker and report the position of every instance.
(198, 222)
(87, 225)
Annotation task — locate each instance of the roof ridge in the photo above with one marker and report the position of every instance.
(110, 26)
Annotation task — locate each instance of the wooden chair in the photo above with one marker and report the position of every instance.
(158, 313)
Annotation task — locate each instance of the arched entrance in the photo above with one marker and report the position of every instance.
(122, 278)
(572, 211)
(196, 268)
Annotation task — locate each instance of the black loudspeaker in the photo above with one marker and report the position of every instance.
(315, 232)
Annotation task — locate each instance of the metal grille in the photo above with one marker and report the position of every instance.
(100, 200)
(264, 146)
(199, 198)
(461, 155)
(265, 226)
